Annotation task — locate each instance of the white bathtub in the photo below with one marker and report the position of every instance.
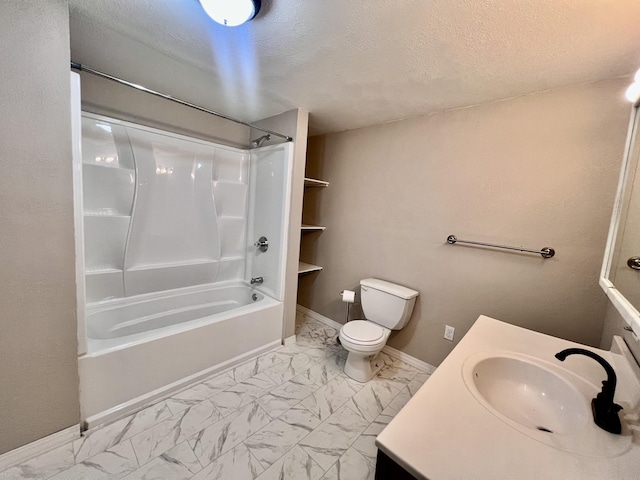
(143, 348)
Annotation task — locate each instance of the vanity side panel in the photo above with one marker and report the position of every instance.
(614, 324)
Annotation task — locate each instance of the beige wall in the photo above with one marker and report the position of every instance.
(38, 365)
(294, 123)
(536, 171)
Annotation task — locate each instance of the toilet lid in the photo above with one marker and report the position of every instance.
(362, 331)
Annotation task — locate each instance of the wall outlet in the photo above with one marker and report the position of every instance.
(449, 332)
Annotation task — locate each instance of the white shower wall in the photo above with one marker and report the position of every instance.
(161, 211)
(270, 185)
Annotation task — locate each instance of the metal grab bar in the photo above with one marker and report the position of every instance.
(546, 252)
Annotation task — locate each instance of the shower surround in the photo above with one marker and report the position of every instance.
(166, 226)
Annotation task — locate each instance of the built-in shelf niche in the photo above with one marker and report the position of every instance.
(304, 267)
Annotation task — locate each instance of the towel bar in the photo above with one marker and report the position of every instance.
(546, 252)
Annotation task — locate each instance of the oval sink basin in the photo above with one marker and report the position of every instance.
(527, 393)
(542, 400)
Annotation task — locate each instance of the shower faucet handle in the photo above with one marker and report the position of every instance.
(262, 244)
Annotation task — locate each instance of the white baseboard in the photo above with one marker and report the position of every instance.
(404, 357)
(319, 317)
(143, 401)
(289, 341)
(34, 449)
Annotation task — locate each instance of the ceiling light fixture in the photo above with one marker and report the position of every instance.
(633, 92)
(231, 13)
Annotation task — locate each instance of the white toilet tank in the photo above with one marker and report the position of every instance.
(386, 303)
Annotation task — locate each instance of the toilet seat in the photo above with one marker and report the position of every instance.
(363, 340)
(363, 332)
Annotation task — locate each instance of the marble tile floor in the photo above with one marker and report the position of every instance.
(287, 414)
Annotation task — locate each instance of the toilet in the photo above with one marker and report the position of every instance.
(387, 307)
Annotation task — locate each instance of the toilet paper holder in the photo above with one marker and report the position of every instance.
(348, 297)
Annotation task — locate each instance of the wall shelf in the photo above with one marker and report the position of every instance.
(104, 214)
(185, 263)
(312, 228)
(113, 166)
(307, 268)
(102, 271)
(312, 182)
(233, 258)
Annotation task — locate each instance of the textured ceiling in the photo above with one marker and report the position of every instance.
(354, 63)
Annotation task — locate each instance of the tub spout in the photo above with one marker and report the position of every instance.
(257, 281)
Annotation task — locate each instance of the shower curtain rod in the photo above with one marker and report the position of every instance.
(84, 68)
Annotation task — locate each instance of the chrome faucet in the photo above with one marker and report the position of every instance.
(262, 244)
(257, 280)
(605, 412)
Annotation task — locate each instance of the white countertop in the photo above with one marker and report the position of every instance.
(444, 432)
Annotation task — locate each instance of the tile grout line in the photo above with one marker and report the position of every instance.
(364, 430)
(135, 454)
(255, 458)
(318, 362)
(259, 406)
(309, 433)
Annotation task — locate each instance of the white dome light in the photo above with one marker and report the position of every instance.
(231, 12)
(633, 92)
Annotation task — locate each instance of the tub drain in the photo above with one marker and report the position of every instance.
(543, 429)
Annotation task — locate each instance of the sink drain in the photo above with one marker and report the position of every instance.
(543, 429)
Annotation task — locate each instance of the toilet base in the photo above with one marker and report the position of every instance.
(361, 366)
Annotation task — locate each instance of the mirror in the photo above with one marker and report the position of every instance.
(620, 276)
